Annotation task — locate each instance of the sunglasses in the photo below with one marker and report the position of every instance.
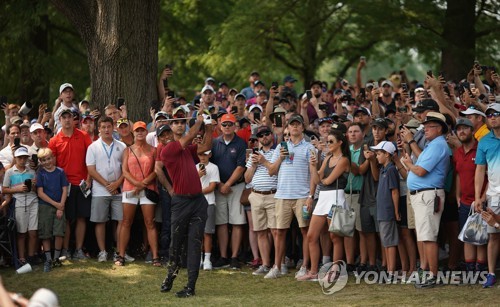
(286, 134)
(227, 124)
(263, 134)
(494, 114)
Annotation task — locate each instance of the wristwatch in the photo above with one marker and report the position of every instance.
(409, 143)
(496, 225)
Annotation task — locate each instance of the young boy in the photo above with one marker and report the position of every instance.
(18, 181)
(52, 188)
(209, 176)
(388, 203)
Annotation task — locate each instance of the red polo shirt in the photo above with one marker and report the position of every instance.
(181, 167)
(70, 153)
(466, 168)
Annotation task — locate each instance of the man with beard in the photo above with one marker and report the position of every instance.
(363, 117)
(189, 206)
(368, 168)
(316, 105)
(465, 168)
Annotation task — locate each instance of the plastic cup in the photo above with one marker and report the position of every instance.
(24, 269)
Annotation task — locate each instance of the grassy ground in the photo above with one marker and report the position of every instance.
(102, 284)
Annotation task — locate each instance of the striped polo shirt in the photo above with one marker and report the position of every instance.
(294, 176)
(261, 181)
(14, 178)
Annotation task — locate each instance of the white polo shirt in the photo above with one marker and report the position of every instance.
(108, 162)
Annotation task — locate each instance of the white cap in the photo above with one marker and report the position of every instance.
(472, 110)
(35, 127)
(493, 106)
(64, 86)
(385, 146)
(21, 151)
(43, 298)
(207, 87)
(207, 152)
(388, 82)
(255, 106)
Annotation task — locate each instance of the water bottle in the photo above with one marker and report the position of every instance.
(305, 213)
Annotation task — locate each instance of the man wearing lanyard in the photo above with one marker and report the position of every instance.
(104, 162)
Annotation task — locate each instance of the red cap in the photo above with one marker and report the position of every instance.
(228, 118)
(140, 124)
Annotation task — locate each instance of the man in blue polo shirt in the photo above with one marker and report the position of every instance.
(488, 156)
(228, 153)
(294, 190)
(426, 179)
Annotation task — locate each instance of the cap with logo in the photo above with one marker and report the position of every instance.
(122, 121)
(65, 86)
(493, 106)
(21, 151)
(385, 146)
(427, 105)
(464, 122)
(363, 110)
(296, 118)
(207, 87)
(139, 125)
(228, 118)
(162, 129)
(472, 110)
(35, 127)
(380, 122)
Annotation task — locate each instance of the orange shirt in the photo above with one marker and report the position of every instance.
(137, 167)
(70, 153)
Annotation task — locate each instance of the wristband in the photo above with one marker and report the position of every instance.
(497, 226)
(310, 196)
(412, 141)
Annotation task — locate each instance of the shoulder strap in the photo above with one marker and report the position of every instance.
(138, 163)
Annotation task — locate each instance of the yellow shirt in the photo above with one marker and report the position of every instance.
(481, 132)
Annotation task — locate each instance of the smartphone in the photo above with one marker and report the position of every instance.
(17, 142)
(278, 121)
(168, 66)
(362, 58)
(429, 73)
(155, 105)
(196, 102)
(366, 148)
(284, 145)
(165, 83)
(323, 106)
(256, 116)
(27, 183)
(313, 152)
(234, 109)
(249, 151)
(171, 94)
(375, 84)
(119, 102)
(3, 101)
(274, 84)
(34, 158)
(255, 150)
(362, 92)
(202, 166)
(309, 94)
(404, 86)
(402, 109)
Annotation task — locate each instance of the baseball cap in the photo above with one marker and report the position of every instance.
(244, 120)
(339, 126)
(25, 124)
(240, 95)
(207, 87)
(437, 117)
(385, 146)
(363, 110)
(15, 119)
(493, 106)
(464, 122)
(35, 127)
(317, 82)
(177, 110)
(228, 118)
(412, 123)
(221, 84)
(161, 114)
(380, 122)
(387, 82)
(162, 129)
(233, 90)
(65, 86)
(122, 121)
(221, 112)
(254, 73)
(264, 92)
(296, 118)
(257, 82)
(472, 110)
(66, 110)
(427, 105)
(21, 151)
(255, 106)
(140, 124)
(83, 102)
(325, 120)
(289, 79)
(209, 79)
(262, 129)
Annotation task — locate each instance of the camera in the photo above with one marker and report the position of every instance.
(323, 107)
(25, 108)
(274, 85)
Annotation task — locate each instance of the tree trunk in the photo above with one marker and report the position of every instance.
(121, 39)
(459, 35)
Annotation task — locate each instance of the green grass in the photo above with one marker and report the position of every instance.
(102, 284)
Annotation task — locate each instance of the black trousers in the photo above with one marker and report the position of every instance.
(189, 214)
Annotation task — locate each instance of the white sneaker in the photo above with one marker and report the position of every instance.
(65, 255)
(301, 272)
(273, 273)
(207, 265)
(102, 257)
(129, 258)
(284, 269)
(261, 270)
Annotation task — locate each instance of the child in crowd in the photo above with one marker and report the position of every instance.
(52, 188)
(388, 203)
(209, 176)
(18, 181)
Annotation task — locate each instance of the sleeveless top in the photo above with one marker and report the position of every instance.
(341, 181)
(146, 163)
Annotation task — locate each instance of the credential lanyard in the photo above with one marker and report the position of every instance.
(110, 151)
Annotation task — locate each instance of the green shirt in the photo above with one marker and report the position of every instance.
(356, 181)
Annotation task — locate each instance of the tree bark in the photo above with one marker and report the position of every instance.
(459, 36)
(121, 40)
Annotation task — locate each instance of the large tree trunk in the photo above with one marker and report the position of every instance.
(121, 38)
(459, 37)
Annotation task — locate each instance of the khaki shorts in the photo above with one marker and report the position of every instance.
(286, 208)
(426, 221)
(410, 213)
(263, 211)
(48, 224)
(228, 208)
(27, 217)
(352, 200)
